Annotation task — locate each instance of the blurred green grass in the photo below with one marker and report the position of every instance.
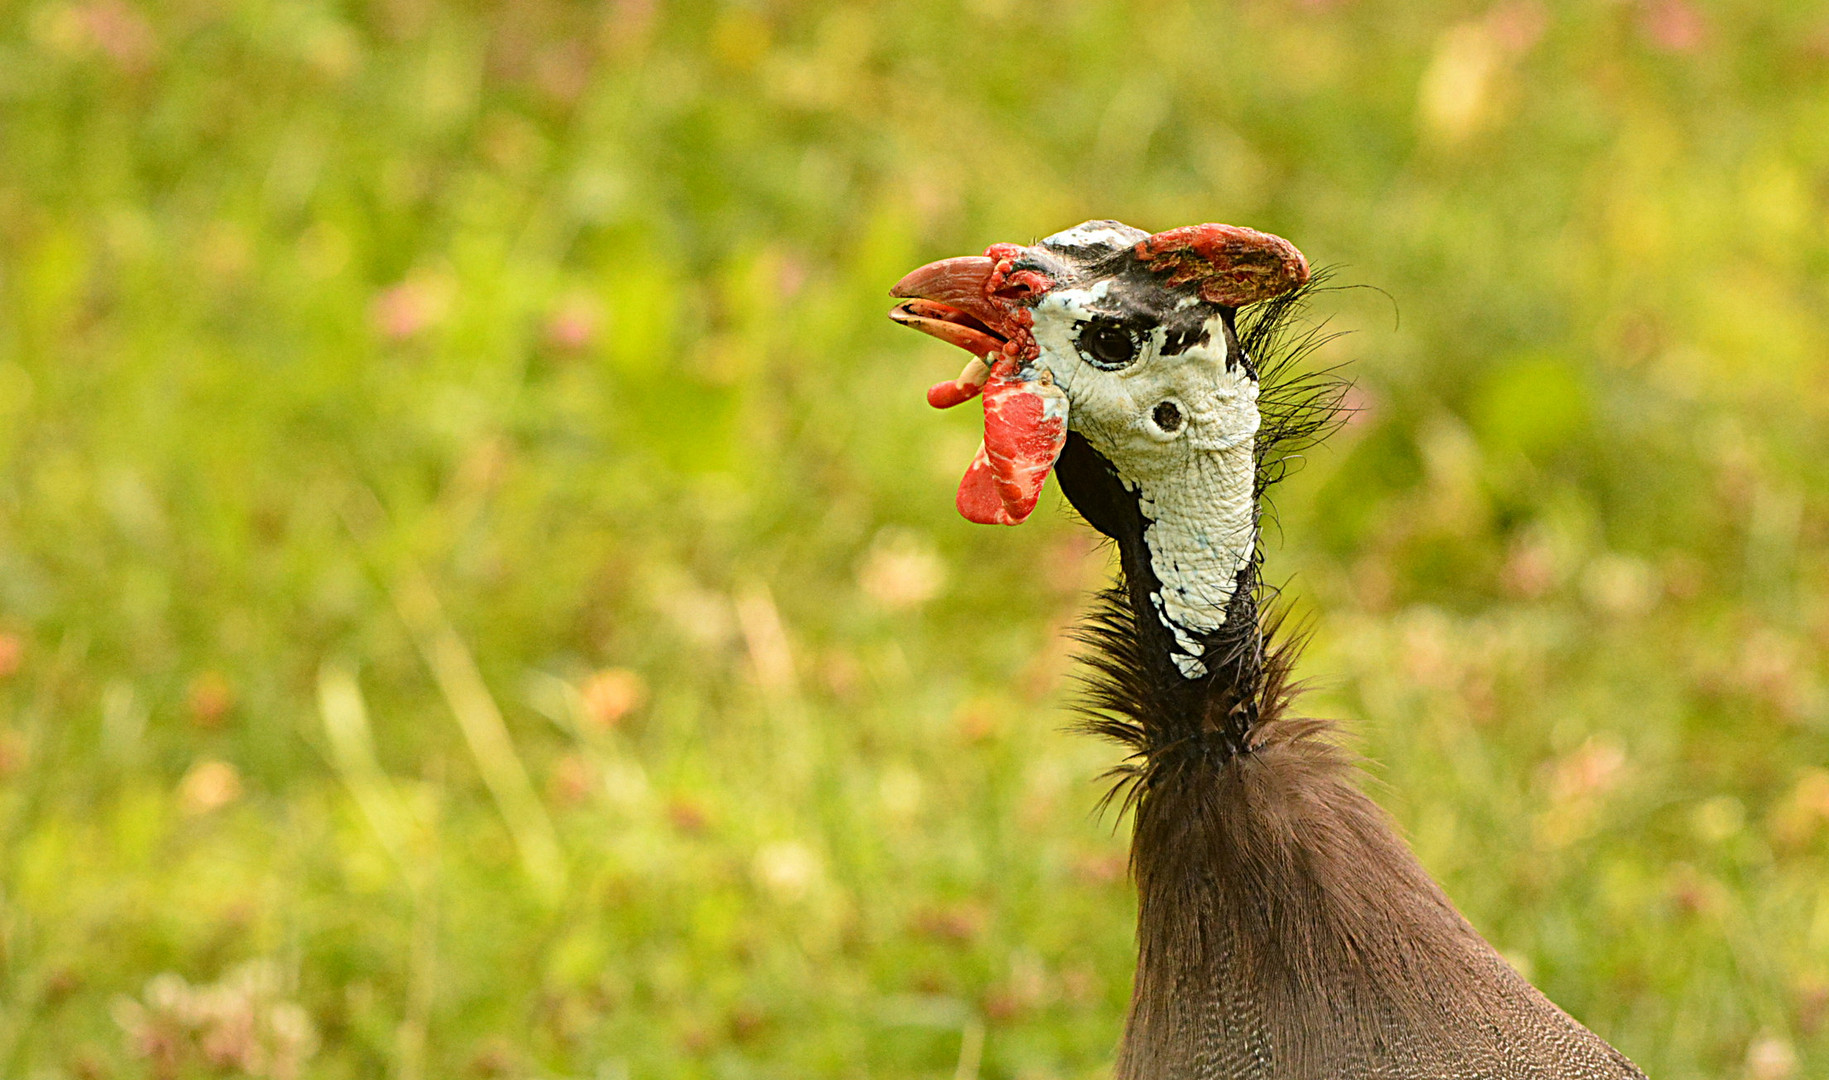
(479, 592)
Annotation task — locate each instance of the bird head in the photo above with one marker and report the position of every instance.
(1124, 337)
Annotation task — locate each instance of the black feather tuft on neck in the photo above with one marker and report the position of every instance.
(1135, 695)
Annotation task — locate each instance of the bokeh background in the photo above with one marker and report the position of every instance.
(480, 594)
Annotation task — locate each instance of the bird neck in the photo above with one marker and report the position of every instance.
(1199, 542)
(1284, 929)
(1186, 614)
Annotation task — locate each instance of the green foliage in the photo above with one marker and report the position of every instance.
(430, 433)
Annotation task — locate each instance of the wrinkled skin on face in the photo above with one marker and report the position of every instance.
(1153, 373)
(1127, 339)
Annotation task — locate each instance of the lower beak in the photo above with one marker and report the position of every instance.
(949, 324)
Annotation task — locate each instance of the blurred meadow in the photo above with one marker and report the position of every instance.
(479, 588)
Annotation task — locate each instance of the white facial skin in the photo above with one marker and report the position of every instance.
(1193, 472)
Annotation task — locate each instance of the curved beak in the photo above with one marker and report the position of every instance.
(947, 299)
(957, 283)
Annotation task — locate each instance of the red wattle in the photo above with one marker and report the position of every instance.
(1025, 429)
(978, 501)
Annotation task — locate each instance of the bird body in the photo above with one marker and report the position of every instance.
(1285, 931)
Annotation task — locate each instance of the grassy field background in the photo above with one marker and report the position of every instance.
(480, 594)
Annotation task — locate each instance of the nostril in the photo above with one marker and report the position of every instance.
(1167, 417)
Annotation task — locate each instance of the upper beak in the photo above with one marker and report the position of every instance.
(959, 282)
(948, 300)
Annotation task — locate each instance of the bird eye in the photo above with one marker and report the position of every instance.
(1107, 345)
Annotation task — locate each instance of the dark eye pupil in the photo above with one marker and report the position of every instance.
(1108, 345)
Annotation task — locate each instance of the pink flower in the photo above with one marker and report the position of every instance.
(122, 33)
(408, 309)
(574, 325)
(1674, 26)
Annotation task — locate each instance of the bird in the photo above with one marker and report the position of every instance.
(1285, 930)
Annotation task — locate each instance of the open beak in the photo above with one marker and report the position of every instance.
(1025, 414)
(961, 283)
(948, 300)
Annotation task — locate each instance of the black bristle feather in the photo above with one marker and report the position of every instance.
(1132, 694)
